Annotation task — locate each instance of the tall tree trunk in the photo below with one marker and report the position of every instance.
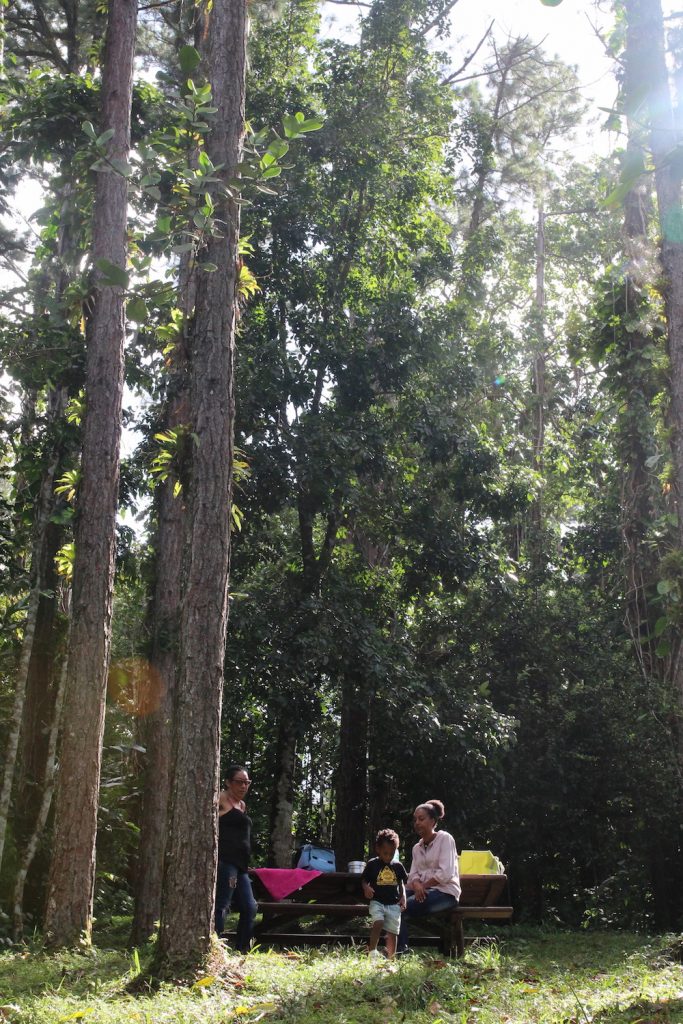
(43, 513)
(352, 778)
(29, 850)
(636, 438)
(647, 63)
(72, 871)
(539, 399)
(158, 727)
(280, 853)
(190, 867)
(51, 616)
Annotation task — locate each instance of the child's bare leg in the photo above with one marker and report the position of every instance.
(375, 933)
(390, 944)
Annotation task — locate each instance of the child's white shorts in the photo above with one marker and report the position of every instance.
(390, 914)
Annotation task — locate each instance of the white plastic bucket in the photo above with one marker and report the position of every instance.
(356, 867)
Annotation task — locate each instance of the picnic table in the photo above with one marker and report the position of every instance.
(337, 896)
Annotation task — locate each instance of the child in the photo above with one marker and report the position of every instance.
(384, 885)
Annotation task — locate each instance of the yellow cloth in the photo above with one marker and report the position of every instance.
(479, 862)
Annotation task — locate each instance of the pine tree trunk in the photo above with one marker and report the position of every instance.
(157, 731)
(72, 871)
(51, 616)
(280, 853)
(158, 727)
(29, 851)
(38, 583)
(352, 777)
(190, 867)
(647, 62)
(636, 438)
(539, 401)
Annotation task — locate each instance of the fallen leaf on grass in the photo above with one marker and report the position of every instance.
(434, 1007)
(8, 1009)
(204, 982)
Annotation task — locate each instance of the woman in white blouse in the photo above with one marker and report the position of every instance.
(433, 881)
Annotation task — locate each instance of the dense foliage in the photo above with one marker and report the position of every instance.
(455, 567)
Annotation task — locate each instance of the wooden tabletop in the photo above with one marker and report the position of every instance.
(345, 887)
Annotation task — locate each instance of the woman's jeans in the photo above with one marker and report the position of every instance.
(238, 893)
(434, 901)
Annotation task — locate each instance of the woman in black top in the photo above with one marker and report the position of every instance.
(234, 847)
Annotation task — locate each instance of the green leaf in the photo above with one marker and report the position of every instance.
(663, 648)
(121, 167)
(112, 275)
(189, 59)
(136, 310)
(313, 124)
(210, 268)
(278, 148)
(105, 137)
(617, 196)
(660, 625)
(290, 126)
(89, 130)
(632, 166)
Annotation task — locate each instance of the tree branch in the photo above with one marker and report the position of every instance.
(470, 58)
(439, 18)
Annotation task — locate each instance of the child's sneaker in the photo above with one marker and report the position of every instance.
(374, 954)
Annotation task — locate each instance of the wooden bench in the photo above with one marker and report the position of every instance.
(335, 897)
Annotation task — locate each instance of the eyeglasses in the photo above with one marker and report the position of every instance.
(241, 782)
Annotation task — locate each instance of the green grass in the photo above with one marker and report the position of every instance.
(533, 977)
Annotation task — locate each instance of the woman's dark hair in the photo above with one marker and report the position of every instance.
(434, 808)
(231, 771)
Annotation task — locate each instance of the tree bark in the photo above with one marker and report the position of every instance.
(157, 730)
(158, 727)
(43, 512)
(190, 867)
(539, 400)
(352, 777)
(280, 853)
(647, 63)
(29, 851)
(72, 871)
(636, 438)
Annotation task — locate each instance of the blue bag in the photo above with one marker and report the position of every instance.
(315, 858)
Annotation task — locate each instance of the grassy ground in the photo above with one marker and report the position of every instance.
(531, 978)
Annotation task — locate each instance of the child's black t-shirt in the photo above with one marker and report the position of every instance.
(385, 879)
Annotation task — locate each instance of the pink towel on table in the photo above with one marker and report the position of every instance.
(281, 882)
